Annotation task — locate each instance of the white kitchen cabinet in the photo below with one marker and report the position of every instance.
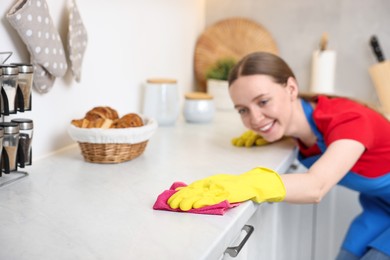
(330, 221)
(281, 231)
(333, 217)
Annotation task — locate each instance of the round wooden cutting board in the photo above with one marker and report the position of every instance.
(229, 38)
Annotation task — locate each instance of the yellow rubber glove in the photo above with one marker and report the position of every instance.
(249, 139)
(259, 185)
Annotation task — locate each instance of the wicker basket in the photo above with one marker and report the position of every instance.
(111, 153)
(113, 145)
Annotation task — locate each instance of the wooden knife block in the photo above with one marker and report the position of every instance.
(380, 75)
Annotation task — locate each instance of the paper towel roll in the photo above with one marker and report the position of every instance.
(323, 72)
(380, 75)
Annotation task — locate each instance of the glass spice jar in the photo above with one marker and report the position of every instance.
(9, 82)
(10, 144)
(26, 128)
(1, 142)
(25, 81)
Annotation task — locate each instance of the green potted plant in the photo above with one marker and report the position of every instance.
(221, 69)
(217, 84)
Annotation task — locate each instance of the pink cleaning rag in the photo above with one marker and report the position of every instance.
(217, 209)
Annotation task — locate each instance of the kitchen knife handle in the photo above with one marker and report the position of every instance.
(376, 48)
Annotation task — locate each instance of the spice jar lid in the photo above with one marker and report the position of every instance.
(10, 128)
(9, 69)
(24, 123)
(161, 81)
(24, 67)
(197, 95)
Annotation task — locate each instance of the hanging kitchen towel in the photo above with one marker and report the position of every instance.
(32, 21)
(77, 40)
(217, 209)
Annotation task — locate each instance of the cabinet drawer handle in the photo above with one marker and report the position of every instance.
(235, 250)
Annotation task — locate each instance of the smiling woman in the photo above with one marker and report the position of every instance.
(265, 94)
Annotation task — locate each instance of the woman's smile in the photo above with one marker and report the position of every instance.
(266, 127)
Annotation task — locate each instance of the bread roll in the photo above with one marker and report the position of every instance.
(128, 120)
(101, 112)
(100, 123)
(85, 123)
(77, 122)
(107, 117)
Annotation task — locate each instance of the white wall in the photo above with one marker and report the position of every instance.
(129, 41)
(297, 27)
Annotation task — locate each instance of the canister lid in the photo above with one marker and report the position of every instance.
(24, 123)
(8, 69)
(24, 67)
(10, 128)
(197, 95)
(161, 81)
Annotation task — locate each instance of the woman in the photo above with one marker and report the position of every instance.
(340, 142)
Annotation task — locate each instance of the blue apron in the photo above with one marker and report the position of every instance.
(372, 227)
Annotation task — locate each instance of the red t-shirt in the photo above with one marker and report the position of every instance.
(341, 118)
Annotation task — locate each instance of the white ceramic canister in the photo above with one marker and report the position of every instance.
(219, 89)
(198, 107)
(161, 100)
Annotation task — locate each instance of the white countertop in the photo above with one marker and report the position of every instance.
(70, 209)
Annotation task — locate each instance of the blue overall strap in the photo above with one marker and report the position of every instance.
(308, 110)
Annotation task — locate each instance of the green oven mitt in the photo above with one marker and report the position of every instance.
(259, 185)
(249, 139)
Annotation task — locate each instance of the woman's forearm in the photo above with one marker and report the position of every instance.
(325, 173)
(302, 188)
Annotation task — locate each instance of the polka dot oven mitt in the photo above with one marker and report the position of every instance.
(77, 40)
(32, 21)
